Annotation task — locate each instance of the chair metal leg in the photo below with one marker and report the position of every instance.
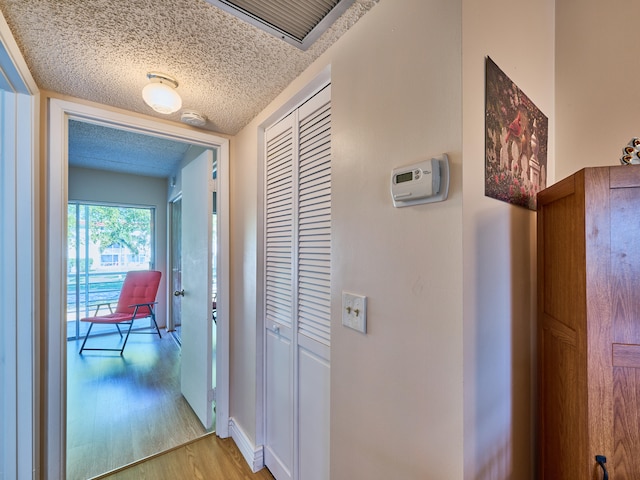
(124, 344)
(85, 338)
(153, 317)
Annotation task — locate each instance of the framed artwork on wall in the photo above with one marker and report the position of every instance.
(516, 134)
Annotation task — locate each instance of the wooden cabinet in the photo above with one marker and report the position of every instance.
(589, 325)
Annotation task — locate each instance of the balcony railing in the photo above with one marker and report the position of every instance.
(87, 290)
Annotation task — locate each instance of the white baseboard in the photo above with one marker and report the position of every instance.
(252, 454)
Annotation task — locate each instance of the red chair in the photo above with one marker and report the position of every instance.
(137, 298)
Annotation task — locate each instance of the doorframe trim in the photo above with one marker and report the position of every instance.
(54, 381)
(170, 263)
(20, 213)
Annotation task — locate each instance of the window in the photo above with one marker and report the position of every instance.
(104, 242)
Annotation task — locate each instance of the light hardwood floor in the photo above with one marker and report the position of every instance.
(208, 458)
(122, 409)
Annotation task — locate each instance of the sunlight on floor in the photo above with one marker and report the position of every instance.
(122, 409)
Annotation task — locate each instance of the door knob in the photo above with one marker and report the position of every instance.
(179, 293)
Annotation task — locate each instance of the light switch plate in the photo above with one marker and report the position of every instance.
(354, 311)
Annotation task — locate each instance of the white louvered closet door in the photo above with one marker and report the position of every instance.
(297, 292)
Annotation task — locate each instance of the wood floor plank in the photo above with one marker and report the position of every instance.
(121, 409)
(208, 458)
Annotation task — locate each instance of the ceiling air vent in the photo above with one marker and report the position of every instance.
(298, 22)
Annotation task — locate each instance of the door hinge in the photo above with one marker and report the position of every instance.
(211, 397)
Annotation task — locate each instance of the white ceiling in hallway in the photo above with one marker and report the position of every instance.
(102, 50)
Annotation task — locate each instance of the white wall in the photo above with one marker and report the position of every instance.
(451, 286)
(245, 344)
(396, 393)
(597, 71)
(87, 185)
(500, 245)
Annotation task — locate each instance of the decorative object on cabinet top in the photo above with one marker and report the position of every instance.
(631, 152)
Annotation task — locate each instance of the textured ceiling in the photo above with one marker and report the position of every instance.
(103, 148)
(102, 50)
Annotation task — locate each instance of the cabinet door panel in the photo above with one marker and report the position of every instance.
(626, 423)
(562, 414)
(625, 265)
(625, 310)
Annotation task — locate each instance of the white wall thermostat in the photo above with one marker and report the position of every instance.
(423, 182)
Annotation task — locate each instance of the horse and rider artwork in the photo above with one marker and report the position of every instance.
(516, 134)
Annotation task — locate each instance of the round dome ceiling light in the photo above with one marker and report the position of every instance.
(161, 93)
(194, 118)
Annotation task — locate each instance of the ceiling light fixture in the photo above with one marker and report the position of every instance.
(160, 94)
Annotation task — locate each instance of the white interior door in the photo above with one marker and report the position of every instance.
(279, 296)
(298, 292)
(196, 331)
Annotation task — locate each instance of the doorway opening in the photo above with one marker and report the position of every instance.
(113, 403)
(60, 113)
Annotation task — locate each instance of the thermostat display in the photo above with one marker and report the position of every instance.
(406, 177)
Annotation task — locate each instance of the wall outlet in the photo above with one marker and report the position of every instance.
(354, 311)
